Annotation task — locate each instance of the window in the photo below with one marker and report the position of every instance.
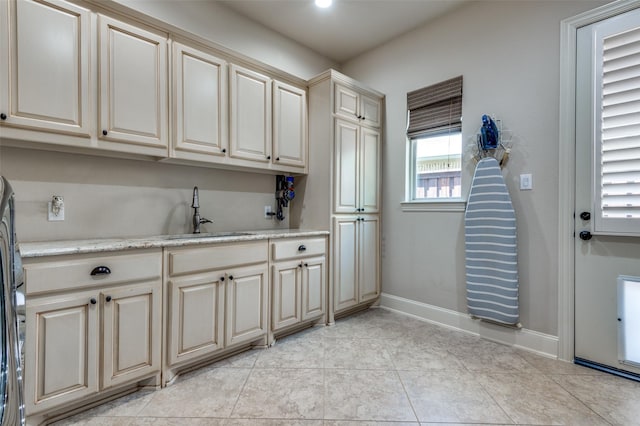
(437, 166)
(617, 113)
(435, 141)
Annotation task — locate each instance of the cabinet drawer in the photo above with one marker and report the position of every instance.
(74, 272)
(191, 260)
(300, 247)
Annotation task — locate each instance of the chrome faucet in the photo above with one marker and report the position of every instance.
(197, 220)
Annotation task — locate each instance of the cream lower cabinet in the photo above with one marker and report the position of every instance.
(298, 283)
(356, 260)
(93, 322)
(216, 300)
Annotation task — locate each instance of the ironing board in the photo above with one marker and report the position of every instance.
(491, 260)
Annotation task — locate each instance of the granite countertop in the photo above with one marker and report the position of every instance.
(97, 245)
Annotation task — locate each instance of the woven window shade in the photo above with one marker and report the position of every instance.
(435, 108)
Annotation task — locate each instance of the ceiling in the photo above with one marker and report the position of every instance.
(346, 29)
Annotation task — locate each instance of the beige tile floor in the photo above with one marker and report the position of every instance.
(380, 368)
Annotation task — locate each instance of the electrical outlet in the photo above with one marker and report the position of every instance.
(55, 209)
(267, 212)
(526, 182)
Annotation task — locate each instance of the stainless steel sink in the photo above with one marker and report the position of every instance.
(207, 235)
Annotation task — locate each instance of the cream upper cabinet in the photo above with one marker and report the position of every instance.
(131, 332)
(357, 260)
(355, 106)
(200, 104)
(356, 169)
(250, 115)
(133, 107)
(289, 125)
(44, 72)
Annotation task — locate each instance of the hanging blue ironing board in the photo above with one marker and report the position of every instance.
(491, 247)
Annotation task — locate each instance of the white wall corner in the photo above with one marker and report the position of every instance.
(529, 340)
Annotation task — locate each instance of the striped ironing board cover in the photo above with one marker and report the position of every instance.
(491, 248)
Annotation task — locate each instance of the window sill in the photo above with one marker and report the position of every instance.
(457, 205)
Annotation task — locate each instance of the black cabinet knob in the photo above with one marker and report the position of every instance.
(3, 116)
(300, 265)
(224, 150)
(302, 247)
(222, 279)
(108, 298)
(585, 216)
(231, 277)
(585, 235)
(100, 270)
(268, 157)
(104, 132)
(93, 301)
(277, 158)
(306, 264)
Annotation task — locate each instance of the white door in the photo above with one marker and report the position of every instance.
(607, 210)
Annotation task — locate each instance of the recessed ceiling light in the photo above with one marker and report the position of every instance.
(323, 3)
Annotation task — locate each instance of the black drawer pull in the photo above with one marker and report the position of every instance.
(108, 298)
(301, 247)
(93, 301)
(100, 270)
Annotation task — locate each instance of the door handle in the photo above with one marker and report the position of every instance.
(585, 235)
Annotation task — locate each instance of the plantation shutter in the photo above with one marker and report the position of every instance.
(617, 150)
(435, 108)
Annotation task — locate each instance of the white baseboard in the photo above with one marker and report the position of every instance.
(533, 341)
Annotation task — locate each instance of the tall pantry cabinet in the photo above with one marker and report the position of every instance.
(343, 186)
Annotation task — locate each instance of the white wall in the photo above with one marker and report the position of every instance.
(508, 54)
(226, 27)
(108, 197)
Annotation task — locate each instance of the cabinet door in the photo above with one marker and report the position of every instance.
(369, 258)
(131, 332)
(200, 102)
(346, 167)
(370, 111)
(289, 125)
(133, 86)
(246, 315)
(250, 111)
(285, 307)
(346, 103)
(44, 75)
(61, 351)
(314, 288)
(369, 176)
(345, 262)
(196, 316)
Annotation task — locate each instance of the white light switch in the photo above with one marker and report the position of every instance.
(526, 182)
